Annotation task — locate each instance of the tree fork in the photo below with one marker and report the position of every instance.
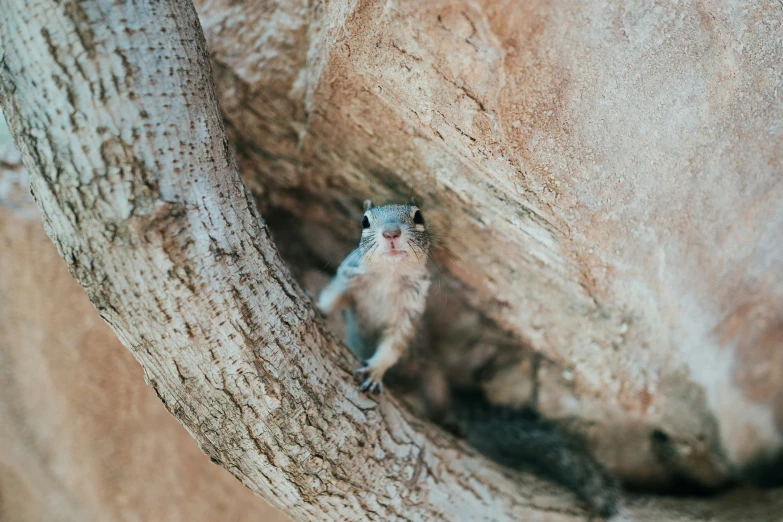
(113, 108)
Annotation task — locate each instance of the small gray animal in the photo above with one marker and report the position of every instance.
(383, 286)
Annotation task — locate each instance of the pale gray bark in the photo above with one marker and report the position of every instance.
(114, 110)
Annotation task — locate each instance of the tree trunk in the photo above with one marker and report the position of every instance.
(114, 111)
(113, 108)
(83, 438)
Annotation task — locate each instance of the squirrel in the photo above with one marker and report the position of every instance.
(382, 287)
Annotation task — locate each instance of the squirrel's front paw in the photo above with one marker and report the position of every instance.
(371, 378)
(322, 307)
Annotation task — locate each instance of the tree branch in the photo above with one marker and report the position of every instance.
(118, 124)
(114, 110)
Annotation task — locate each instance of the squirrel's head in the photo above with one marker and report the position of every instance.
(394, 234)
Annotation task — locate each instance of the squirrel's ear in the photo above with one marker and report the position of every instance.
(368, 204)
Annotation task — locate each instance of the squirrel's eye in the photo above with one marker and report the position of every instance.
(365, 222)
(418, 218)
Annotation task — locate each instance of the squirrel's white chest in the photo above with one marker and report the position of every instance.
(382, 299)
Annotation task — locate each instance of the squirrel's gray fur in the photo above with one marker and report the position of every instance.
(382, 285)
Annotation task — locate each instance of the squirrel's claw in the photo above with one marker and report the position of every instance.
(372, 383)
(371, 386)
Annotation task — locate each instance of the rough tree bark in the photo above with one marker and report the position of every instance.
(114, 110)
(83, 437)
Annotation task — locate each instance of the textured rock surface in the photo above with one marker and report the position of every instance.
(608, 176)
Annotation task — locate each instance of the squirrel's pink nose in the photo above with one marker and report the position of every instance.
(392, 234)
